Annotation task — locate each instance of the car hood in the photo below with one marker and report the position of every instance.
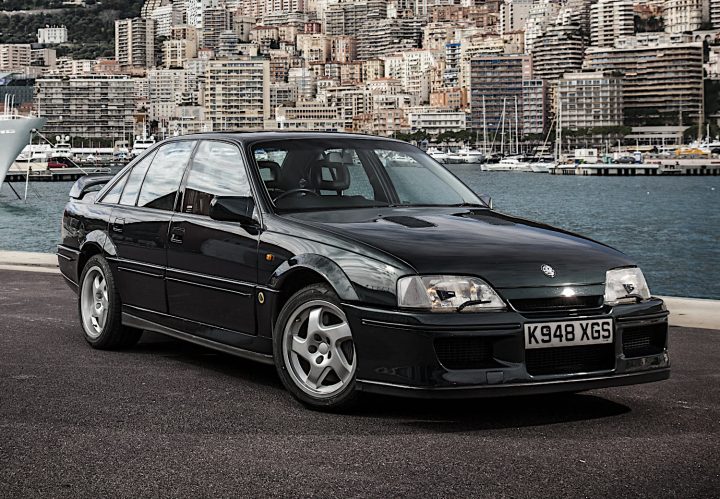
(506, 251)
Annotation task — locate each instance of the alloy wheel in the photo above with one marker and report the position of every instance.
(94, 302)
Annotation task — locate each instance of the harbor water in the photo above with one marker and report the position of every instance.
(669, 225)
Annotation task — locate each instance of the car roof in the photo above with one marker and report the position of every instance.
(251, 137)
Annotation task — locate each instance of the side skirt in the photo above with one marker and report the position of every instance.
(139, 323)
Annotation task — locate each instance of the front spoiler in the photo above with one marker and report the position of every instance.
(514, 389)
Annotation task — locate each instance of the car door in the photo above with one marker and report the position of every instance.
(139, 225)
(212, 265)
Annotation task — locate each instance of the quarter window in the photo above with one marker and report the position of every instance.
(164, 175)
(217, 170)
(132, 186)
(113, 195)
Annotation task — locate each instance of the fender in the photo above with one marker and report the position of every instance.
(102, 240)
(324, 266)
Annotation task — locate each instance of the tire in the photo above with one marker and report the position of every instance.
(314, 352)
(100, 309)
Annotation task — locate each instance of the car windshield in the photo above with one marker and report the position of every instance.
(342, 173)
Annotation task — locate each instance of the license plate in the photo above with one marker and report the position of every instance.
(568, 333)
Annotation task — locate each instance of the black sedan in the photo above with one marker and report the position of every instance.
(352, 264)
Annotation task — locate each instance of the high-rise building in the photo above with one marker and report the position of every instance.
(380, 37)
(684, 15)
(237, 94)
(14, 56)
(135, 43)
(558, 51)
(589, 100)
(86, 106)
(715, 13)
(513, 14)
(496, 85)
(535, 106)
(347, 17)
(662, 77)
(215, 21)
(610, 19)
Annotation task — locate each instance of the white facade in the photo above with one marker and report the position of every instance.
(52, 35)
(436, 121)
(683, 15)
(513, 14)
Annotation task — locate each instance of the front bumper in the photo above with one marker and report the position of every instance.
(483, 354)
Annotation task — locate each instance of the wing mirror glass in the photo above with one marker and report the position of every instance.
(233, 209)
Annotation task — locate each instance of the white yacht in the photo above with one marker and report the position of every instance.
(466, 155)
(15, 133)
(62, 148)
(437, 155)
(142, 143)
(510, 164)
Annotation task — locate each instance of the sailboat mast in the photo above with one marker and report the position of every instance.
(517, 128)
(502, 129)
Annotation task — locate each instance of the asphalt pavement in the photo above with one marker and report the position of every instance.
(171, 419)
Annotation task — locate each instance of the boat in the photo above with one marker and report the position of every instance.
(438, 155)
(515, 164)
(15, 133)
(142, 143)
(466, 155)
(542, 166)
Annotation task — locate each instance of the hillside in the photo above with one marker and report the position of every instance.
(91, 29)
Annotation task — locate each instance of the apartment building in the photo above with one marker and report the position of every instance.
(215, 21)
(308, 116)
(496, 84)
(135, 43)
(87, 106)
(14, 56)
(412, 68)
(514, 14)
(347, 17)
(436, 121)
(588, 100)
(535, 106)
(237, 94)
(378, 37)
(684, 15)
(662, 77)
(558, 51)
(52, 35)
(715, 13)
(610, 19)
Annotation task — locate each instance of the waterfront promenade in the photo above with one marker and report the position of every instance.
(167, 418)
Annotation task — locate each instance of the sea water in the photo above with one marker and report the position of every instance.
(669, 225)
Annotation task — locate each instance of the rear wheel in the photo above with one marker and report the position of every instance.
(100, 308)
(314, 350)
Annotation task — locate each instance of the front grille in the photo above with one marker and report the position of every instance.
(465, 353)
(557, 303)
(568, 360)
(641, 341)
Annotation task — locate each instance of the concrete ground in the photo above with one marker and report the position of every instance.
(172, 419)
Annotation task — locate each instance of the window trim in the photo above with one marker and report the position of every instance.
(180, 200)
(134, 205)
(182, 177)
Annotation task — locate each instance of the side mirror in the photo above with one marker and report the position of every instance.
(233, 209)
(487, 200)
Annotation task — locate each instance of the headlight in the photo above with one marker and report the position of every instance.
(625, 286)
(446, 293)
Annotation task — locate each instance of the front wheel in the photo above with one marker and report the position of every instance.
(100, 308)
(314, 350)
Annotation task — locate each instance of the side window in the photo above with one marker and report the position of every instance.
(113, 195)
(164, 175)
(217, 170)
(132, 186)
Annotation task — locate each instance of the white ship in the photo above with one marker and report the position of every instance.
(466, 155)
(15, 132)
(142, 143)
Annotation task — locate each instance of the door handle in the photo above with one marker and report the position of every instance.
(117, 225)
(176, 235)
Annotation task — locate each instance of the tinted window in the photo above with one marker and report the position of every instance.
(217, 170)
(164, 176)
(132, 186)
(113, 195)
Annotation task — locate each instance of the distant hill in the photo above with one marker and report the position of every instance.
(91, 29)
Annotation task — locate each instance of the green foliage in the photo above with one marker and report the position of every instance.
(652, 23)
(691, 133)
(91, 30)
